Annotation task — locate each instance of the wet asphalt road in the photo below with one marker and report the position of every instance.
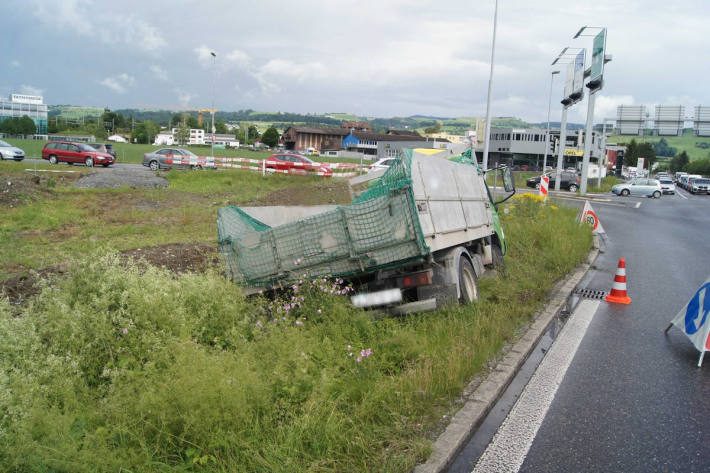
(633, 399)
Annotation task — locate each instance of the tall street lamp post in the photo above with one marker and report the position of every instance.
(547, 137)
(490, 88)
(214, 65)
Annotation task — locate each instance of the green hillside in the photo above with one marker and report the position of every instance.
(72, 112)
(696, 147)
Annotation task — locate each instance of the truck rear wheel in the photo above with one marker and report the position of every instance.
(468, 282)
(498, 261)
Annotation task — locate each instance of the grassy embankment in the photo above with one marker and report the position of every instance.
(133, 153)
(116, 369)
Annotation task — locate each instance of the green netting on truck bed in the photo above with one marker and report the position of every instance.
(467, 157)
(377, 231)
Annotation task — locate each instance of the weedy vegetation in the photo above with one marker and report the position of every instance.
(119, 367)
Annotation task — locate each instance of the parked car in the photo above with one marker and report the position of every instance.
(639, 186)
(688, 181)
(667, 186)
(569, 181)
(287, 161)
(7, 151)
(163, 159)
(104, 148)
(111, 150)
(700, 185)
(71, 152)
(383, 163)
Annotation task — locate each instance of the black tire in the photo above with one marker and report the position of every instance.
(53, 159)
(498, 261)
(625, 192)
(656, 194)
(468, 282)
(2, 158)
(573, 187)
(89, 162)
(153, 165)
(105, 165)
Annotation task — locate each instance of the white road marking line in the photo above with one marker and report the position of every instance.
(681, 194)
(510, 446)
(638, 204)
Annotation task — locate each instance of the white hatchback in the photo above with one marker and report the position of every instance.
(667, 186)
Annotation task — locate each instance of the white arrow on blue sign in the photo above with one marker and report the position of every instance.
(693, 319)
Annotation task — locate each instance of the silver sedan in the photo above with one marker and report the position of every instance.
(639, 186)
(166, 158)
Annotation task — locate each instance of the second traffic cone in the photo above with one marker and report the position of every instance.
(618, 289)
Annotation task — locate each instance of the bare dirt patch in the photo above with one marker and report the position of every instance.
(122, 176)
(20, 189)
(328, 192)
(177, 257)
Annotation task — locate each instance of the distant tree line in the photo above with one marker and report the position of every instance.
(18, 126)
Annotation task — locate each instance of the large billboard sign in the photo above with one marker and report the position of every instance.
(574, 82)
(598, 59)
(579, 73)
(569, 80)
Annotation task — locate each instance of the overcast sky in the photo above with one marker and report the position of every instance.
(372, 58)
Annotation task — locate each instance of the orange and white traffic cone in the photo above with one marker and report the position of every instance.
(618, 289)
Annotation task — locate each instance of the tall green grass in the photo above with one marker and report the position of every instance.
(113, 368)
(59, 222)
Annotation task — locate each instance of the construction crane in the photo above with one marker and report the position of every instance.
(199, 114)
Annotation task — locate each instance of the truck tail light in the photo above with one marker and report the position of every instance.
(421, 278)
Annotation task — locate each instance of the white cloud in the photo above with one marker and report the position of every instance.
(111, 26)
(183, 96)
(15, 64)
(29, 90)
(238, 58)
(204, 55)
(118, 83)
(159, 73)
(604, 107)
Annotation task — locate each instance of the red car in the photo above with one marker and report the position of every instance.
(71, 152)
(287, 161)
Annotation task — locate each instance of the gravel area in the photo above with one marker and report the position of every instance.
(122, 176)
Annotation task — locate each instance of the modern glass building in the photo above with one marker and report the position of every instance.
(19, 105)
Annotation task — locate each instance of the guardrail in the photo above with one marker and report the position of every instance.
(266, 165)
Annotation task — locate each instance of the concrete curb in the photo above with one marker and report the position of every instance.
(482, 399)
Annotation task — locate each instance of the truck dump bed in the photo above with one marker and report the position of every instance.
(420, 202)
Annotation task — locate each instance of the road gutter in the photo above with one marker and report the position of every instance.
(482, 395)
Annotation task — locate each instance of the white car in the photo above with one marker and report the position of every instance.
(667, 186)
(7, 151)
(384, 163)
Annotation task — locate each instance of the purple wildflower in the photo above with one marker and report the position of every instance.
(258, 322)
(298, 322)
(125, 331)
(359, 359)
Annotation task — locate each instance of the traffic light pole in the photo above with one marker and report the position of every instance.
(561, 151)
(587, 141)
